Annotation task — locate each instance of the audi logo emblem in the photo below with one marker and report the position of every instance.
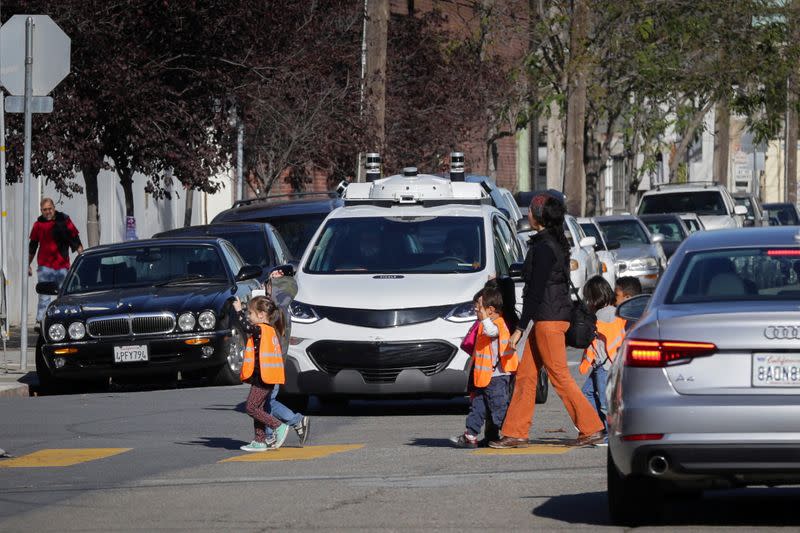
(782, 332)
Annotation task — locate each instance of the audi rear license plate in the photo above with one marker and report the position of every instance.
(776, 370)
(131, 354)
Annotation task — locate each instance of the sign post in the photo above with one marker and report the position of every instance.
(20, 37)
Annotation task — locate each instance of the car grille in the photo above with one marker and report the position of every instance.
(382, 318)
(136, 324)
(381, 362)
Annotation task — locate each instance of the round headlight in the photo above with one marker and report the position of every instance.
(77, 331)
(186, 322)
(57, 332)
(206, 320)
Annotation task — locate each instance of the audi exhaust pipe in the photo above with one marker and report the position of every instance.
(658, 465)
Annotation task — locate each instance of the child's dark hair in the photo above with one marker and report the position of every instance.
(492, 297)
(262, 304)
(597, 293)
(477, 296)
(629, 286)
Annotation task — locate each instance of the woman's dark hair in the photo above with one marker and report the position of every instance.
(597, 294)
(552, 218)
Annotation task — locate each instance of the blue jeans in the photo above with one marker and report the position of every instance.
(280, 411)
(595, 390)
(44, 273)
(489, 403)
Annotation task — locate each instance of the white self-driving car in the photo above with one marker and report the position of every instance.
(386, 288)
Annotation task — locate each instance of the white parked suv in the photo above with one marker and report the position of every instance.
(710, 201)
(386, 288)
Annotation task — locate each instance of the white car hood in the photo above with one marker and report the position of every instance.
(636, 252)
(388, 291)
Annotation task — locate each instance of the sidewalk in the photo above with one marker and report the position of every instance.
(13, 381)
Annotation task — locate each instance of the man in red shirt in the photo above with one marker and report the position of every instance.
(53, 234)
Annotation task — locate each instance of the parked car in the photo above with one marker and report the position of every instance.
(146, 307)
(503, 200)
(605, 249)
(640, 254)
(692, 222)
(755, 216)
(705, 392)
(296, 217)
(782, 214)
(711, 201)
(583, 260)
(670, 226)
(258, 243)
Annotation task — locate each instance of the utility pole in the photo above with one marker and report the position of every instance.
(376, 35)
(722, 142)
(575, 176)
(791, 139)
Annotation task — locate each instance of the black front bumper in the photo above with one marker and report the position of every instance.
(95, 358)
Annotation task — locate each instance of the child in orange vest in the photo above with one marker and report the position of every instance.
(262, 368)
(493, 362)
(597, 358)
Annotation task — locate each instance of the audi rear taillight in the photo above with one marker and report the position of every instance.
(661, 353)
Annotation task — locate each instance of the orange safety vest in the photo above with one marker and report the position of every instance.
(482, 358)
(611, 334)
(270, 357)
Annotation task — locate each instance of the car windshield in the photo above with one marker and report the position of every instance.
(741, 274)
(297, 230)
(251, 245)
(700, 202)
(591, 231)
(784, 214)
(626, 232)
(672, 231)
(145, 266)
(430, 245)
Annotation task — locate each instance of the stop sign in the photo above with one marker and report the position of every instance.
(51, 49)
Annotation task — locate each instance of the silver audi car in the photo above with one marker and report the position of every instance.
(705, 392)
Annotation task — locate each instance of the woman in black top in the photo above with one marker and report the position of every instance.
(547, 303)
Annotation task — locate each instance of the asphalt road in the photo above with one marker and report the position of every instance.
(169, 460)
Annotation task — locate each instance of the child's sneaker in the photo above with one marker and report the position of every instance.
(465, 440)
(255, 446)
(280, 435)
(303, 429)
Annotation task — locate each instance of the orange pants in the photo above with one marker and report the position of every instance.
(547, 347)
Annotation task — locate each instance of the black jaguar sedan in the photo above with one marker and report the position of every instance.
(146, 307)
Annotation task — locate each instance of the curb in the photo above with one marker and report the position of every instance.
(19, 390)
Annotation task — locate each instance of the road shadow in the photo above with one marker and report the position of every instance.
(389, 407)
(225, 443)
(750, 507)
(432, 443)
(240, 407)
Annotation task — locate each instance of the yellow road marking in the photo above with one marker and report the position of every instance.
(531, 449)
(294, 454)
(60, 457)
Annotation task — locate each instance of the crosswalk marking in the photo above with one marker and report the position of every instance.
(60, 457)
(294, 454)
(531, 449)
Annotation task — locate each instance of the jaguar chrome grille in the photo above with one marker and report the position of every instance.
(135, 324)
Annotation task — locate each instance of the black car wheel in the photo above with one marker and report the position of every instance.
(542, 387)
(633, 500)
(228, 373)
(296, 402)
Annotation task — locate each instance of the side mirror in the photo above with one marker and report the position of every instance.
(505, 212)
(523, 225)
(740, 210)
(633, 308)
(588, 242)
(249, 272)
(748, 223)
(49, 288)
(613, 245)
(657, 237)
(515, 270)
(287, 269)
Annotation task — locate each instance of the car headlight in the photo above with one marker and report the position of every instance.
(462, 313)
(186, 322)
(644, 264)
(574, 265)
(302, 313)
(57, 332)
(77, 331)
(206, 320)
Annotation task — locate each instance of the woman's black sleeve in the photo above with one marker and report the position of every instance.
(541, 265)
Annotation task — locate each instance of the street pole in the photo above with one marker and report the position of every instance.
(26, 199)
(3, 213)
(239, 158)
